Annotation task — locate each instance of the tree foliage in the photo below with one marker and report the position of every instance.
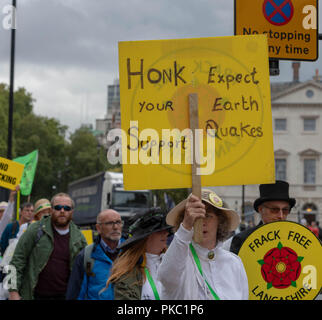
(23, 104)
(84, 154)
(177, 195)
(60, 160)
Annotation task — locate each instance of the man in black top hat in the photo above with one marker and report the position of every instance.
(274, 204)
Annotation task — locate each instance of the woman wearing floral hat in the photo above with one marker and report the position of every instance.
(134, 273)
(204, 270)
(42, 208)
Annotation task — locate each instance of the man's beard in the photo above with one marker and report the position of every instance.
(114, 238)
(61, 224)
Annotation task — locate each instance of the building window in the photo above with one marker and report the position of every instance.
(309, 93)
(309, 207)
(280, 169)
(309, 124)
(249, 214)
(280, 124)
(309, 171)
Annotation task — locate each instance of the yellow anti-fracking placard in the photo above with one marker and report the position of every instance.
(88, 234)
(282, 261)
(10, 173)
(290, 26)
(230, 76)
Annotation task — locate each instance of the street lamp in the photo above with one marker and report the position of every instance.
(11, 86)
(243, 205)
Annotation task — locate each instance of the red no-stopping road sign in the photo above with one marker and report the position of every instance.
(278, 12)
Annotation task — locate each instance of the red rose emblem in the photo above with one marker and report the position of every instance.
(281, 267)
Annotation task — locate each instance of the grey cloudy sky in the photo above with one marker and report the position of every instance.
(66, 50)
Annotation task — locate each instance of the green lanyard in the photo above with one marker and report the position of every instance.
(152, 284)
(196, 258)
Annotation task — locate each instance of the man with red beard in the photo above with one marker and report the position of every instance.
(45, 254)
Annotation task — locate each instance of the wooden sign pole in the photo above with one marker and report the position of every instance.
(196, 179)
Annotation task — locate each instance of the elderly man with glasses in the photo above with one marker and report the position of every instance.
(274, 204)
(92, 266)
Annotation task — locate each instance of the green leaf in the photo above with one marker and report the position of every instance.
(261, 262)
(279, 246)
(269, 285)
(299, 259)
(293, 284)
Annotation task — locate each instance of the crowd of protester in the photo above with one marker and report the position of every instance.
(158, 260)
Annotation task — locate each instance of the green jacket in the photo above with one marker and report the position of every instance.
(129, 286)
(33, 251)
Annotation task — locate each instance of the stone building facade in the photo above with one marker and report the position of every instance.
(297, 136)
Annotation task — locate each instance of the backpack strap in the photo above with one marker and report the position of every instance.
(40, 233)
(88, 260)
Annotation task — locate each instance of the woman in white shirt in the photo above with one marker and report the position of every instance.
(134, 272)
(202, 271)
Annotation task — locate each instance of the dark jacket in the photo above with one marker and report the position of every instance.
(76, 278)
(239, 238)
(9, 233)
(320, 233)
(32, 254)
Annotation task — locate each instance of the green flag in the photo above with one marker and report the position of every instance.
(30, 161)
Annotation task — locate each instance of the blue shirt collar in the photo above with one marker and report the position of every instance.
(107, 248)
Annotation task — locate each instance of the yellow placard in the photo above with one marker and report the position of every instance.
(88, 234)
(10, 173)
(230, 76)
(282, 261)
(290, 26)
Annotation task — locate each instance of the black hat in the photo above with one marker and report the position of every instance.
(274, 192)
(153, 220)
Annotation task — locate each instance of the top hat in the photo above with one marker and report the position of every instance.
(277, 191)
(153, 220)
(211, 198)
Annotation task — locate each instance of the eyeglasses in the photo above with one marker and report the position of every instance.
(277, 210)
(58, 207)
(117, 223)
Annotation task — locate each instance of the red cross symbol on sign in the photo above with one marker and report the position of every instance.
(278, 12)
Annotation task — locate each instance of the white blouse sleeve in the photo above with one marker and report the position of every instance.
(7, 215)
(243, 282)
(174, 261)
